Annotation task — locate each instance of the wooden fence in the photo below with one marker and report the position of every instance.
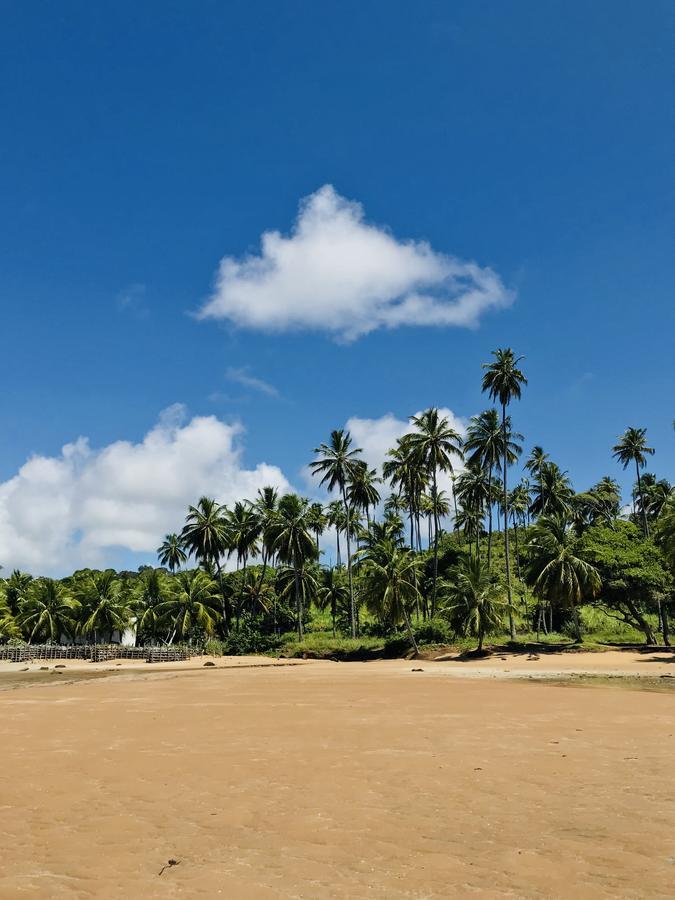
(95, 652)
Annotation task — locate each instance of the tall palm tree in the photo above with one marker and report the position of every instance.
(192, 605)
(472, 599)
(172, 553)
(555, 572)
(632, 447)
(361, 491)
(205, 534)
(389, 584)
(333, 593)
(317, 522)
(434, 444)
(535, 463)
(150, 590)
(503, 381)
(47, 611)
(665, 531)
(265, 506)
(337, 518)
(104, 603)
(406, 472)
(484, 446)
(243, 532)
(293, 543)
(553, 492)
(16, 589)
(338, 465)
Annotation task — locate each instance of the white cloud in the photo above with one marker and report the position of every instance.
(75, 509)
(376, 436)
(338, 273)
(243, 377)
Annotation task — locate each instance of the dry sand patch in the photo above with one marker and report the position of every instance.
(335, 780)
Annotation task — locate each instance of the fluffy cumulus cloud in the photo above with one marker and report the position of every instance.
(376, 436)
(75, 509)
(338, 273)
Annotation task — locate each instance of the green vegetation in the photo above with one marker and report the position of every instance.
(422, 558)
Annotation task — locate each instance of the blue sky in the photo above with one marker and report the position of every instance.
(143, 143)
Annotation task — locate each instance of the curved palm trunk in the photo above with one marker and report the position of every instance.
(433, 592)
(337, 535)
(512, 627)
(352, 608)
(645, 524)
(298, 604)
(223, 602)
(489, 555)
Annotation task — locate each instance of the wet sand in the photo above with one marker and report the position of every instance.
(345, 780)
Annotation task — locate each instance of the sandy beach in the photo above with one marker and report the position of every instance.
(267, 779)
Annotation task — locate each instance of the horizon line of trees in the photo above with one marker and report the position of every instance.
(395, 563)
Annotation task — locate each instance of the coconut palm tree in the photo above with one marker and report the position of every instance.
(472, 599)
(389, 584)
(433, 444)
(503, 381)
(16, 589)
(338, 465)
(333, 593)
(337, 518)
(553, 493)
(265, 507)
(555, 572)
(172, 553)
(535, 463)
(149, 592)
(665, 531)
(48, 611)
(293, 543)
(105, 605)
(632, 447)
(361, 491)
(206, 536)
(409, 474)
(191, 605)
(484, 446)
(317, 522)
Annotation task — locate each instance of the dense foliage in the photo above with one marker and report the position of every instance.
(433, 548)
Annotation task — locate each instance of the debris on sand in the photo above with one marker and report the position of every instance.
(169, 864)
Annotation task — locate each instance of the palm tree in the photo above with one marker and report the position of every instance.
(338, 466)
(337, 518)
(265, 507)
(519, 503)
(206, 536)
(16, 589)
(48, 611)
(632, 447)
(149, 592)
(389, 584)
(484, 445)
(293, 543)
(665, 531)
(317, 522)
(433, 444)
(472, 599)
(553, 494)
(192, 604)
(361, 491)
(105, 605)
(555, 572)
(405, 471)
(172, 553)
(534, 464)
(503, 381)
(333, 592)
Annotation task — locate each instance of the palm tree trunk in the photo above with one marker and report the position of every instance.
(433, 592)
(512, 627)
(489, 557)
(338, 560)
(645, 525)
(298, 604)
(352, 608)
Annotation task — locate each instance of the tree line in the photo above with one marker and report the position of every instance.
(480, 557)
